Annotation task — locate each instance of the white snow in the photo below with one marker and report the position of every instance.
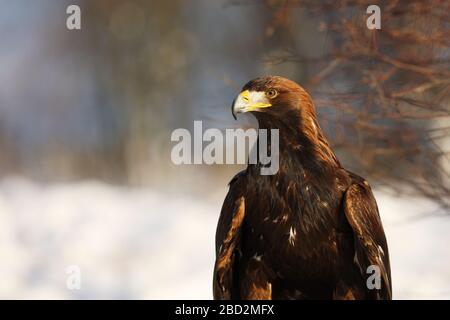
(144, 244)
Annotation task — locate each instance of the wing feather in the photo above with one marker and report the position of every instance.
(371, 248)
(228, 236)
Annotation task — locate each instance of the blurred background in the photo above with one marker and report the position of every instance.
(86, 117)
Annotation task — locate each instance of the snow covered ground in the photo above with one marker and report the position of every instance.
(143, 244)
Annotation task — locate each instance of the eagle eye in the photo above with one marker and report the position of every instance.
(271, 93)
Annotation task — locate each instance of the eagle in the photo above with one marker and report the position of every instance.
(312, 230)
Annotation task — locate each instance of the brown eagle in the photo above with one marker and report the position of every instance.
(310, 231)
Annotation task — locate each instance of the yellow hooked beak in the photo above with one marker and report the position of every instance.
(248, 101)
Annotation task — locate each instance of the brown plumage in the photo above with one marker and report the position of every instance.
(311, 230)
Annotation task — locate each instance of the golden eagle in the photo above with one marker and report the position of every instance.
(310, 231)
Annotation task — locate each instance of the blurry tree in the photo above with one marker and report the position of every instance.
(139, 57)
(9, 161)
(382, 95)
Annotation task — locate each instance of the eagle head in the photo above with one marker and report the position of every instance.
(280, 103)
(274, 99)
